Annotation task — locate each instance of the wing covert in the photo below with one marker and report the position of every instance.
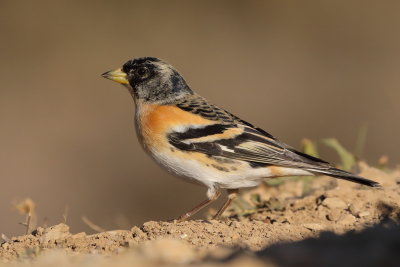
(234, 138)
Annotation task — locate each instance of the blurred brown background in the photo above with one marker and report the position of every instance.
(295, 68)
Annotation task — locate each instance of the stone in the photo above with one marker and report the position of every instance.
(363, 214)
(334, 215)
(334, 203)
(56, 232)
(347, 219)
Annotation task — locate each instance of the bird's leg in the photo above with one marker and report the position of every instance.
(212, 196)
(232, 194)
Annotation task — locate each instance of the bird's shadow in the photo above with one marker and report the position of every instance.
(378, 245)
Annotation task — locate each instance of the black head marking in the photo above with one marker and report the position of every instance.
(152, 79)
(178, 83)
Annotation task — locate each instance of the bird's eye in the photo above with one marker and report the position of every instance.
(142, 71)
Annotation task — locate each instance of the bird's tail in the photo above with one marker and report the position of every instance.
(337, 173)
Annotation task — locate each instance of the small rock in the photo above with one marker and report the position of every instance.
(56, 232)
(363, 214)
(38, 232)
(354, 209)
(183, 236)
(137, 232)
(334, 215)
(347, 219)
(334, 203)
(79, 235)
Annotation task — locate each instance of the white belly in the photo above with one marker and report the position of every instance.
(241, 176)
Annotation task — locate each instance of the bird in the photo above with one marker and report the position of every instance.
(203, 143)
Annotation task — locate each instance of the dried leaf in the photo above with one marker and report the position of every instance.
(26, 206)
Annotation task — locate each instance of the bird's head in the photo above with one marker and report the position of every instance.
(150, 80)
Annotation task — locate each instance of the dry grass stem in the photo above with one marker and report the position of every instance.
(65, 213)
(5, 238)
(92, 225)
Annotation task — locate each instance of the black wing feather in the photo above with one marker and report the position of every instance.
(253, 144)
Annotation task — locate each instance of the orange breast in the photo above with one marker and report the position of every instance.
(156, 121)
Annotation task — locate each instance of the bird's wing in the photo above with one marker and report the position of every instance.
(234, 138)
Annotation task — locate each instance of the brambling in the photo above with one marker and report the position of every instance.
(201, 142)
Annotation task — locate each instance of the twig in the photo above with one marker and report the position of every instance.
(65, 214)
(92, 225)
(27, 207)
(27, 223)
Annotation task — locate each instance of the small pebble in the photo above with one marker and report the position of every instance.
(347, 219)
(334, 215)
(334, 203)
(184, 236)
(363, 214)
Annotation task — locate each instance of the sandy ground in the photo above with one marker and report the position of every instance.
(326, 222)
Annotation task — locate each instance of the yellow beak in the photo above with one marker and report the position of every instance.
(116, 75)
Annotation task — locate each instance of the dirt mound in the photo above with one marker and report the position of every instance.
(279, 226)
